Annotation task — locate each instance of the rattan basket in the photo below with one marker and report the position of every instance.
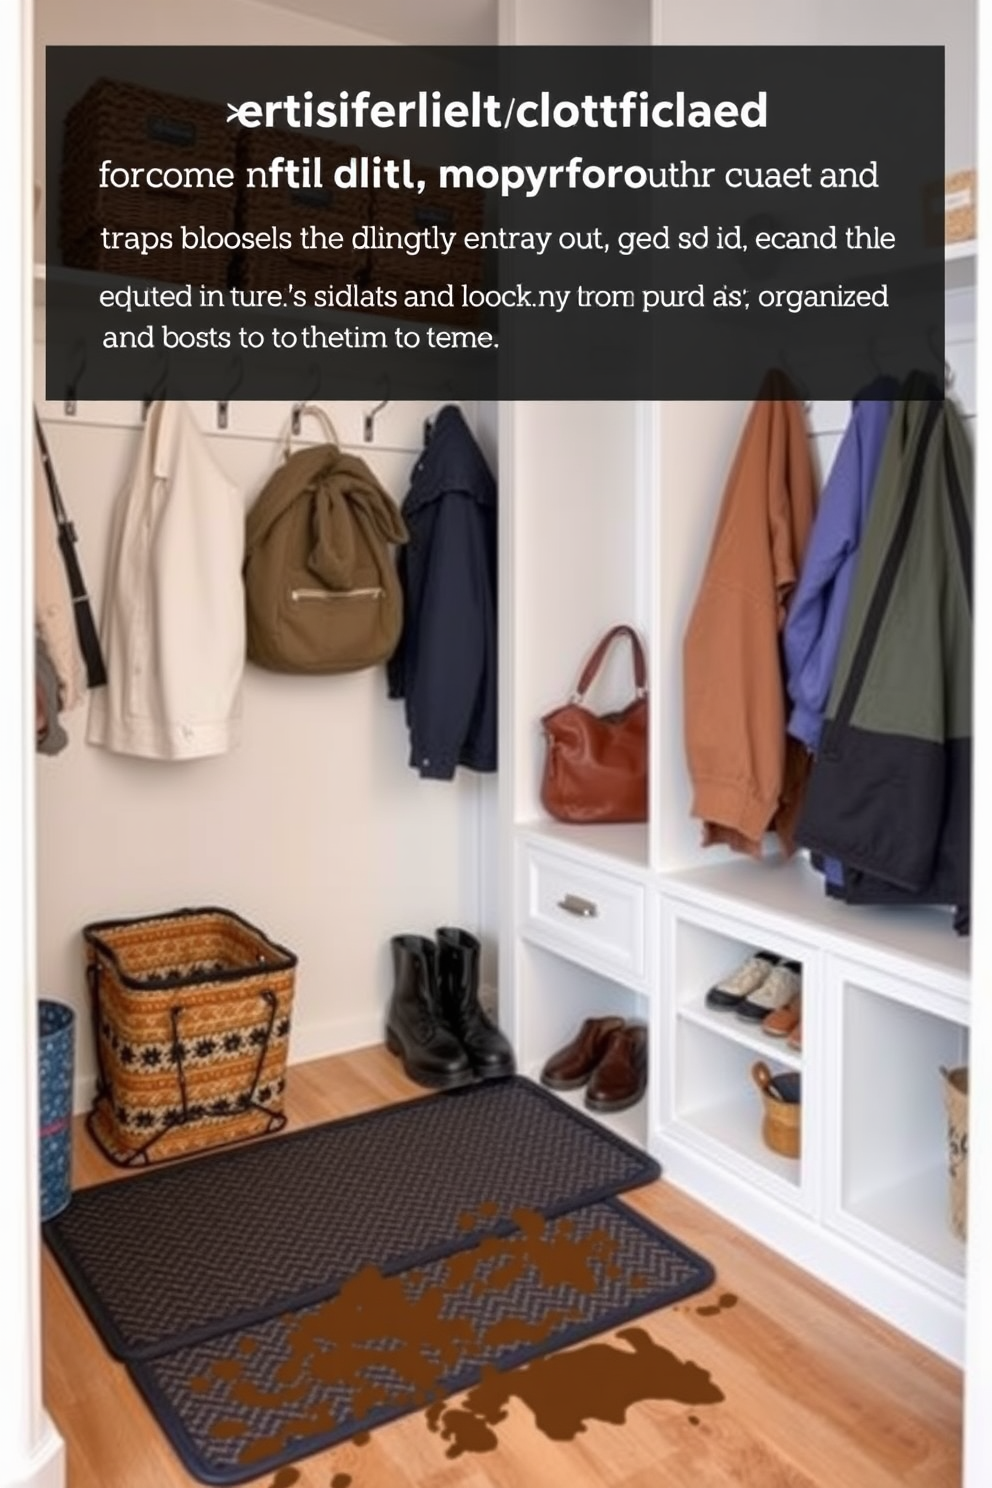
(136, 126)
(782, 1123)
(191, 1014)
(453, 211)
(325, 208)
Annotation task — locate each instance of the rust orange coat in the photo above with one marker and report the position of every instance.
(747, 775)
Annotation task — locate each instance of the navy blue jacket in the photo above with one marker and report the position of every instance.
(445, 664)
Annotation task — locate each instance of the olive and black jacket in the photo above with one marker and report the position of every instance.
(889, 794)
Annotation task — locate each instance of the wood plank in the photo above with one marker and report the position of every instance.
(817, 1393)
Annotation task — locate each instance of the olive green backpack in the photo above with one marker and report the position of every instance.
(321, 587)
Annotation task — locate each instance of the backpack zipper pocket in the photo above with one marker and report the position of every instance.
(296, 595)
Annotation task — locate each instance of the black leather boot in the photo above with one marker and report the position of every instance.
(415, 1029)
(458, 983)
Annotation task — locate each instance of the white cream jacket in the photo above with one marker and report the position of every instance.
(173, 627)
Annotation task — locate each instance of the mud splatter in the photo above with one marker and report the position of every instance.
(393, 1340)
(563, 1391)
(285, 1478)
(722, 1303)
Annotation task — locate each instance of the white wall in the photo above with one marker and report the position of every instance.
(314, 826)
(951, 25)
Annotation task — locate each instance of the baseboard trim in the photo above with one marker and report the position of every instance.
(44, 1468)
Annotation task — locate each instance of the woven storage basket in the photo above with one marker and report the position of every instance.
(134, 126)
(956, 1106)
(782, 1123)
(453, 211)
(326, 208)
(191, 1015)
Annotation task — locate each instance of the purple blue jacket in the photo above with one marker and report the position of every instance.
(815, 623)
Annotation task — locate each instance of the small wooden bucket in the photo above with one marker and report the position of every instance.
(780, 1128)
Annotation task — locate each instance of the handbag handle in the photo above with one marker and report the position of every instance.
(597, 658)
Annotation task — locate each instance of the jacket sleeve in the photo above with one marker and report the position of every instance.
(816, 614)
(396, 665)
(444, 688)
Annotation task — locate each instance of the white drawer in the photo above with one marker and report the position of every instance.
(590, 914)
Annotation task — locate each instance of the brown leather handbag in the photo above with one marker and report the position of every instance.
(596, 765)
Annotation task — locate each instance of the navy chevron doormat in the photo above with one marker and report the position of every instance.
(181, 1253)
(253, 1399)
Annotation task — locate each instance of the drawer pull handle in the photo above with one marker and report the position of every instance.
(574, 905)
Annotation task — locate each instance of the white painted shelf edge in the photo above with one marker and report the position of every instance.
(775, 1051)
(791, 895)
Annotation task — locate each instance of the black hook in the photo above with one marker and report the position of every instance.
(368, 428)
(223, 403)
(939, 352)
(72, 381)
(296, 422)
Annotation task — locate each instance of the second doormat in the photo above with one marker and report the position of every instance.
(176, 1255)
(253, 1399)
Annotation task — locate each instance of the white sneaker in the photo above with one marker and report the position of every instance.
(780, 986)
(731, 990)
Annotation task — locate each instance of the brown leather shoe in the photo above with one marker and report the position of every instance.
(620, 1077)
(572, 1065)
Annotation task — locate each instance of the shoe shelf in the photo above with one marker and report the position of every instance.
(887, 1181)
(555, 997)
(727, 1025)
(885, 1005)
(717, 1110)
(700, 948)
(629, 1124)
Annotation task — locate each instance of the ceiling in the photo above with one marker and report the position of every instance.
(413, 22)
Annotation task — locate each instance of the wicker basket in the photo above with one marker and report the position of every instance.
(135, 126)
(956, 1106)
(453, 211)
(325, 208)
(191, 1015)
(781, 1126)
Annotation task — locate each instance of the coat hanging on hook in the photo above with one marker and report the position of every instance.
(173, 624)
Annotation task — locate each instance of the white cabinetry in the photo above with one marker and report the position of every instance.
(885, 1005)
(608, 511)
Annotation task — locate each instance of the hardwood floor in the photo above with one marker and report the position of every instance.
(817, 1394)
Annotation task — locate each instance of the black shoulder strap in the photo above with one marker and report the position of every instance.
(89, 641)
